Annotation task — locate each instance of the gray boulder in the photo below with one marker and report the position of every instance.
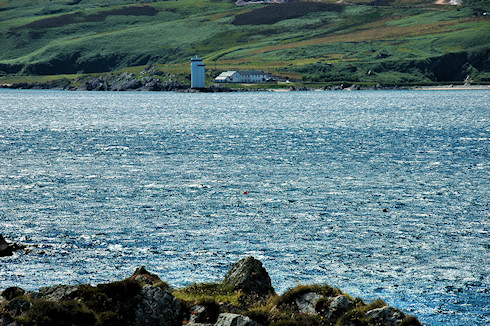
(56, 293)
(154, 306)
(306, 303)
(227, 319)
(386, 316)
(337, 307)
(249, 276)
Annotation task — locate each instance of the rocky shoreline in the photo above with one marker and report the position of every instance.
(157, 85)
(128, 82)
(155, 81)
(245, 297)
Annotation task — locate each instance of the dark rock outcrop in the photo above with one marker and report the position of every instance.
(152, 85)
(203, 314)
(125, 82)
(337, 307)
(12, 292)
(6, 248)
(56, 293)
(96, 84)
(154, 306)
(7, 320)
(306, 303)
(249, 276)
(17, 307)
(126, 85)
(386, 316)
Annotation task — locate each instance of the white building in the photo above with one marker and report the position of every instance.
(198, 70)
(242, 76)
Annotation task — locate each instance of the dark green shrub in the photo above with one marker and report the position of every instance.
(69, 313)
(355, 317)
(109, 300)
(212, 308)
(109, 318)
(216, 291)
(410, 321)
(164, 286)
(322, 304)
(261, 317)
(93, 298)
(120, 291)
(378, 303)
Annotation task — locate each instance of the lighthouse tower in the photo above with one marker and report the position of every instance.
(197, 73)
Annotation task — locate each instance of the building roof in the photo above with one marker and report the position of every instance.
(227, 74)
(251, 72)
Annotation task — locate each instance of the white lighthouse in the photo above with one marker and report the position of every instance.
(197, 73)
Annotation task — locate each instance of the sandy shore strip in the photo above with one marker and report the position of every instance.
(451, 87)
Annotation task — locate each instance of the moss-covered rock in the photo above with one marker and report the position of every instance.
(289, 299)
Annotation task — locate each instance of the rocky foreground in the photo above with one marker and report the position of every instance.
(244, 298)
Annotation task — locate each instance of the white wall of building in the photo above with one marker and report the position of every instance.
(242, 76)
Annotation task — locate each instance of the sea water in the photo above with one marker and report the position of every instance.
(380, 193)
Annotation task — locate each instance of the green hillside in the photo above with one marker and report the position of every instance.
(383, 41)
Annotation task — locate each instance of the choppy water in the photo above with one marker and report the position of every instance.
(107, 182)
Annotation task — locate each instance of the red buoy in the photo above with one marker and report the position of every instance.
(245, 192)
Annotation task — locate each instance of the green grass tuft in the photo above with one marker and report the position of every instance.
(202, 292)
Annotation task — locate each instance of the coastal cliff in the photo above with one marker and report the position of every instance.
(245, 297)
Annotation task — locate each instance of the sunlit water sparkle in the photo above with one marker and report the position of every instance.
(105, 182)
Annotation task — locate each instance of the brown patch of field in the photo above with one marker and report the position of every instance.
(219, 16)
(371, 32)
(79, 17)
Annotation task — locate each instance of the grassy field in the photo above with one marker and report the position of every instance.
(399, 42)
